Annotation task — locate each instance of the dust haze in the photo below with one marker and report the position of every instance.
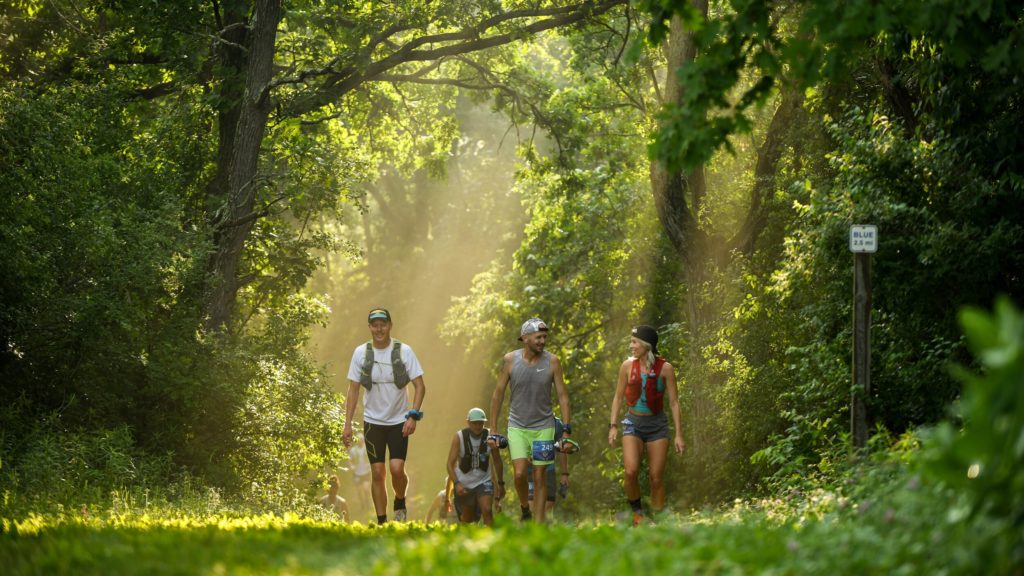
(424, 239)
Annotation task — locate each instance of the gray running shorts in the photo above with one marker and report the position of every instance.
(646, 428)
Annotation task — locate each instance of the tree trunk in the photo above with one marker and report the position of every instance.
(241, 153)
(897, 95)
(231, 61)
(768, 156)
(677, 198)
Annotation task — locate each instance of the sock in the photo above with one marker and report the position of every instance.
(635, 505)
(382, 519)
(399, 503)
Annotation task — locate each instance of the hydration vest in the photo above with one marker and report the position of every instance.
(397, 366)
(468, 461)
(647, 384)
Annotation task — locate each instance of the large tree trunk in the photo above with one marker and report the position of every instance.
(238, 160)
(768, 156)
(231, 60)
(677, 198)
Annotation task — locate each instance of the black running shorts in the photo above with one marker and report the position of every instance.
(380, 438)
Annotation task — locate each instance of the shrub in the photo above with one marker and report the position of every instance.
(985, 459)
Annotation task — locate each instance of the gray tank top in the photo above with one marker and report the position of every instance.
(530, 405)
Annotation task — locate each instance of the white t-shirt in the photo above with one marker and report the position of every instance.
(385, 404)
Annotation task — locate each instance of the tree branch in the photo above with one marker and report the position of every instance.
(156, 91)
(415, 79)
(472, 39)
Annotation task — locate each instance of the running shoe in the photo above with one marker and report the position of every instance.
(400, 515)
(638, 518)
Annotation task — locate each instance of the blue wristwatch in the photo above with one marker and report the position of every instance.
(567, 428)
(414, 414)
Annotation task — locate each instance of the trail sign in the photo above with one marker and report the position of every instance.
(864, 238)
(863, 243)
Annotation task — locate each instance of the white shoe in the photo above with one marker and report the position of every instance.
(400, 515)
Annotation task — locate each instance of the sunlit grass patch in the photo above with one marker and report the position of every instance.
(906, 529)
(196, 545)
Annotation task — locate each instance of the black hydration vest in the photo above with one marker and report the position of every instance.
(397, 366)
(468, 461)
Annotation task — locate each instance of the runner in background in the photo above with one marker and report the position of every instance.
(556, 473)
(476, 467)
(359, 465)
(441, 505)
(332, 501)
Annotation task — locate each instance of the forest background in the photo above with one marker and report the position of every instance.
(202, 200)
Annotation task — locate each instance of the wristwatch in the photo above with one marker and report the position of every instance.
(414, 414)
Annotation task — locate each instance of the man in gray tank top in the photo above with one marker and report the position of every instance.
(531, 372)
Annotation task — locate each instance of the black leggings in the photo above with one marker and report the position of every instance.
(379, 437)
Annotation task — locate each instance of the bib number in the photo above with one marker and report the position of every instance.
(543, 450)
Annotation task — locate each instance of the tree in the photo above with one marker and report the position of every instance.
(273, 65)
(403, 39)
(906, 92)
(803, 94)
(281, 112)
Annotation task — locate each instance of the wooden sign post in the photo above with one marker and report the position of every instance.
(863, 243)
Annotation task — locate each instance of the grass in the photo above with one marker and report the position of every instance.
(909, 530)
(211, 545)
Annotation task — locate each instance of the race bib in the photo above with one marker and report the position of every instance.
(544, 450)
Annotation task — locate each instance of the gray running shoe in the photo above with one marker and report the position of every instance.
(400, 515)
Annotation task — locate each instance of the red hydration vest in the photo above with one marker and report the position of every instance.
(648, 383)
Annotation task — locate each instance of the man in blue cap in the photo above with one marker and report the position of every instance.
(385, 367)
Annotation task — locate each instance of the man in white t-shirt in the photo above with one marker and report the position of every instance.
(385, 368)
